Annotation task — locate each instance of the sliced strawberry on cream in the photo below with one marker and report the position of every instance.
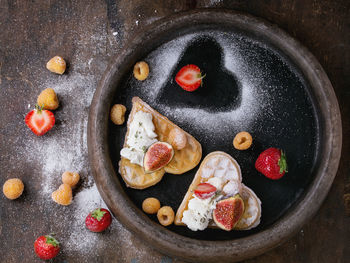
(205, 190)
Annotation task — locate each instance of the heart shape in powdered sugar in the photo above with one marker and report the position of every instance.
(220, 90)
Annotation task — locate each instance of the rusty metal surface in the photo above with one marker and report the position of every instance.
(87, 34)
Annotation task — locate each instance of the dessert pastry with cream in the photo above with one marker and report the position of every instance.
(215, 192)
(146, 128)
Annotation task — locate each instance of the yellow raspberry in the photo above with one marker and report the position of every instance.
(48, 99)
(63, 195)
(13, 188)
(56, 65)
(70, 178)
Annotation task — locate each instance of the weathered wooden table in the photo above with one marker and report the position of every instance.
(88, 34)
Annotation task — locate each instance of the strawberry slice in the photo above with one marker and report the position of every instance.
(40, 121)
(189, 77)
(205, 190)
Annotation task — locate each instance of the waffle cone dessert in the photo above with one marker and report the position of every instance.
(222, 165)
(184, 160)
(252, 210)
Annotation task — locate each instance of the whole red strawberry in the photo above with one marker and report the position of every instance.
(272, 163)
(189, 77)
(40, 121)
(46, 247)
(98, 220)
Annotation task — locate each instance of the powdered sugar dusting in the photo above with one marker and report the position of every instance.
(163, 61)
(82, 240)
(214, 2)
(64, 147)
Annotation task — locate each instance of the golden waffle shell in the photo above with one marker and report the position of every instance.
(252, 210)
(208, 167)
(183, 160)
(135, 177)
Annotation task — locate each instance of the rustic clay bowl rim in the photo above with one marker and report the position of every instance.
(213, 251)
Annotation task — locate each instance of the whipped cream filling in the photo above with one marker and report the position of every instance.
(217, 182)
(141, 136)
(232, 188)
(199, 212)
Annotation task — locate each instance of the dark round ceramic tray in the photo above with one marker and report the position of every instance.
(258, 79)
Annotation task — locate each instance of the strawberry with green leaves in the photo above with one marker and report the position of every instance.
(272, 163)
(46, 247)
(40, 121)
(98, 220)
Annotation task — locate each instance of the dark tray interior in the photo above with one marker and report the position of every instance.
(249, 85)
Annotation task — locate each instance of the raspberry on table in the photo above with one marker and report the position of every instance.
(63, 195)
(48, 99)
(13, 188)
(70, 178)
(56, 65)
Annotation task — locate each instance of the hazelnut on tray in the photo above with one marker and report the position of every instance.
(177, 139)
(118, 114)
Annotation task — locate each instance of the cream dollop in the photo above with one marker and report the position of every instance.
(141, 136)
(199, 213)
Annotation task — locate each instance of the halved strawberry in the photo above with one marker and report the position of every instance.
(205, 190)
(40, 121)
(189, 77)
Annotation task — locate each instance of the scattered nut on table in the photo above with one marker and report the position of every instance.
(118, 114)
(141, 70)
(56, 65)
